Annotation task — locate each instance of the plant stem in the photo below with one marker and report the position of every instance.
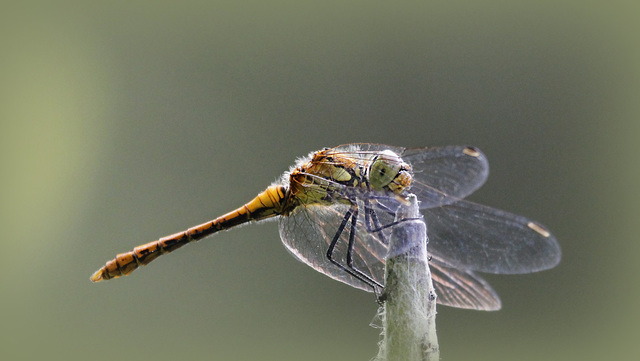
(409, 311)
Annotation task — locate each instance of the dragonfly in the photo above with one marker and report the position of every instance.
(336, 210)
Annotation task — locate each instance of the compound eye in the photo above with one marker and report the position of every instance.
(384, 169)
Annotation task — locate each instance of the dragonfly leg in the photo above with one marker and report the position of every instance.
(352, 236)
(352, 214)
(373, 223)
(371, 220)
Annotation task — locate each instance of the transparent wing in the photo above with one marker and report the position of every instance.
(309, 229)
(462, 289)
(471, 236)
(307, 232)
(362, 150)
(443, 175)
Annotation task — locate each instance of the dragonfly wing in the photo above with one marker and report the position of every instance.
(364, 150)
(443, 175)
(471, 236)
(462, 289)
(309, 229)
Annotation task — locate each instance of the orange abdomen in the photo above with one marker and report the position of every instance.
(269, 203)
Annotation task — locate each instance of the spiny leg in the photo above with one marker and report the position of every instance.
(350, 247)
(373, 222)
(352, 214)
(372, 225)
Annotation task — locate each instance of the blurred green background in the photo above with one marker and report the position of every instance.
(126, 121)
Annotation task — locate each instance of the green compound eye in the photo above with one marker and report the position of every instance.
(384, 169)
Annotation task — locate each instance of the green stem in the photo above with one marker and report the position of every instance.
(409, 312)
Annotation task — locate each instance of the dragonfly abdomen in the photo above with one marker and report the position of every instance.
(267, 204)
(125, 263)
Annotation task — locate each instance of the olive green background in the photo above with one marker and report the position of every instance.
(128, 121)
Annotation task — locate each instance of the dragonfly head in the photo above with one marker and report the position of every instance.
(389, 172)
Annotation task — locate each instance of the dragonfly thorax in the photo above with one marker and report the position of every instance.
(322, 179)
